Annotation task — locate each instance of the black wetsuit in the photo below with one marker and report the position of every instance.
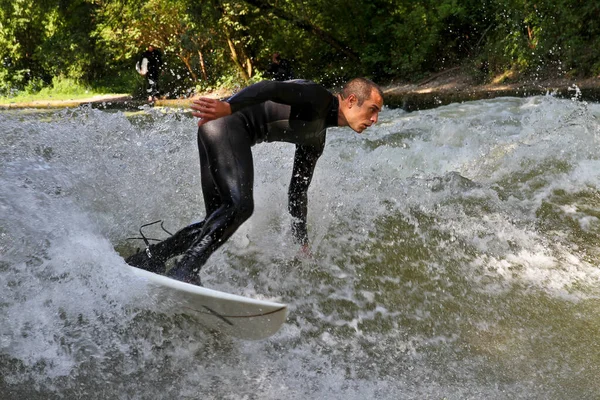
(297, 112)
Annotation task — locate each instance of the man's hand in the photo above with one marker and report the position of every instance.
(305, 252)
(209, 109)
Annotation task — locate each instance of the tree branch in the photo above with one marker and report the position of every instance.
(306, 26)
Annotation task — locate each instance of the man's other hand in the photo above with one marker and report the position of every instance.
(208, 109)
(305, 252)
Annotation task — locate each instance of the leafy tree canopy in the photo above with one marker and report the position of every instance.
(209, 43)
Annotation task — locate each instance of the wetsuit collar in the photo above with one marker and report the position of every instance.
(332, 116)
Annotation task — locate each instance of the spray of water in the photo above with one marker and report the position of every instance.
(455, 253)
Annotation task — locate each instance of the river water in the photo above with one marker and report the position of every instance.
(456, 254)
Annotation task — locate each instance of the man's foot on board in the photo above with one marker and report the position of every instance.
(143, 261)
(185, 276)
(185, 271)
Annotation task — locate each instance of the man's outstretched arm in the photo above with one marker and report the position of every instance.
(305, 161)
(292, 93)
(303, 93)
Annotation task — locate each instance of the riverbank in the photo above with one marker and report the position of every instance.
(446, 87)
(455, 87)
(95, 101)
(120, 101)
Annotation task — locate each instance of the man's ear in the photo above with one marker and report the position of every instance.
(352, 100)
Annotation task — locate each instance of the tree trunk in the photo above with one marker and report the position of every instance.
(202, 66)
(186, 61)
(236, 59)
(249, 67)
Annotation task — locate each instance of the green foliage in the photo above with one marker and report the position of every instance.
(59, 89)
(212, 43)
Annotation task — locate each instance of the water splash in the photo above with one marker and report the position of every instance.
(455, 256)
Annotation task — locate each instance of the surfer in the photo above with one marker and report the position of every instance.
(150, 65)
(297, 112)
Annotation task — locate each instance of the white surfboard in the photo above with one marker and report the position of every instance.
(237, 316)
(143, 68)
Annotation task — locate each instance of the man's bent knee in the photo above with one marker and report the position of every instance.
(243, 211)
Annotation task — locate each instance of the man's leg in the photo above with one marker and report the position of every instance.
(210, 191)
(152, 89)
(185, 238)
(227, 147)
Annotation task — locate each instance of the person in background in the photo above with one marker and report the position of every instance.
(280, 68)
(150, 65)
(297, 112)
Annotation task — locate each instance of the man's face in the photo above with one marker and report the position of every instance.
(361, 117)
